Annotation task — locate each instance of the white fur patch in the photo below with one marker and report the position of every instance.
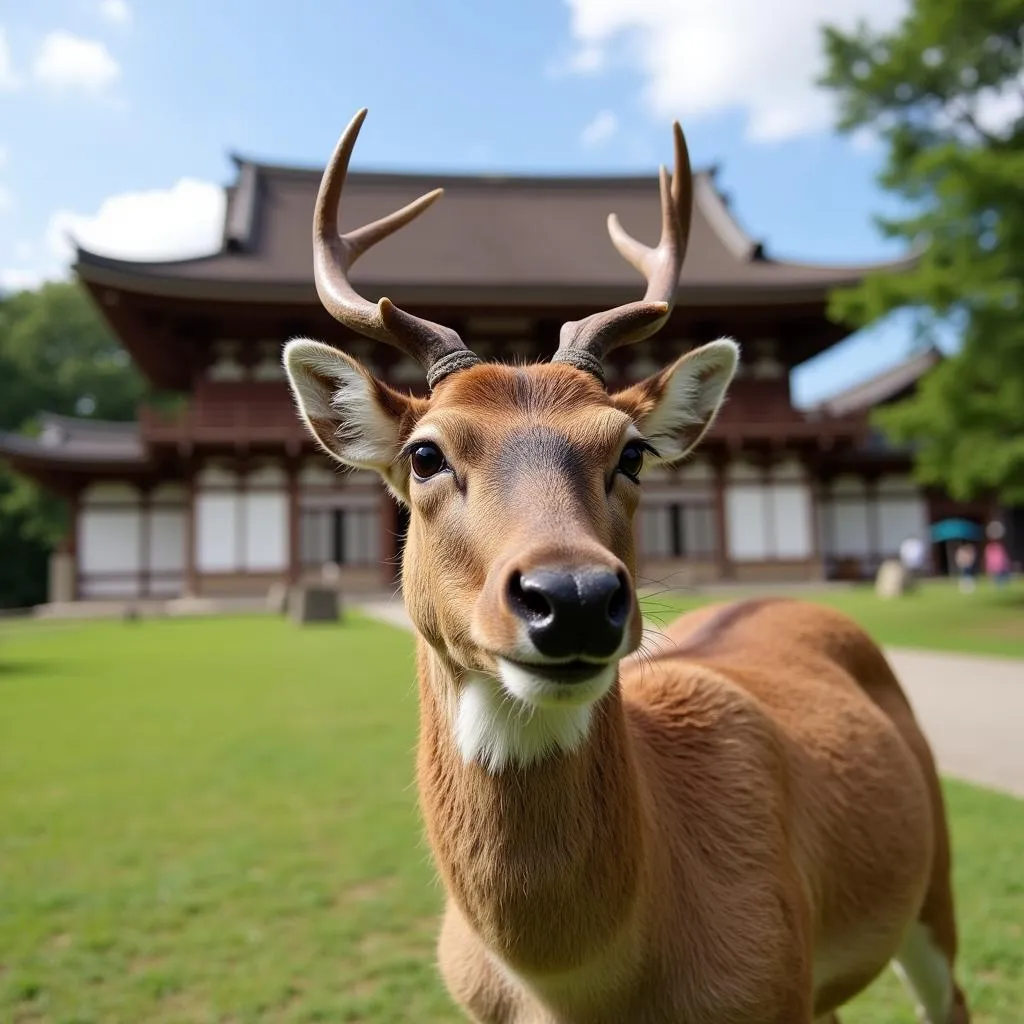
(924, 970)
(692, 398)
(520, 719)
(331, 388)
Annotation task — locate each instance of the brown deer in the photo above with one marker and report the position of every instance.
(744, 827)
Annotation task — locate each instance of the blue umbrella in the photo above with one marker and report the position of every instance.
(955, 529)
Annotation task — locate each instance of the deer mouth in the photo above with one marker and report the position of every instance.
(565, 673)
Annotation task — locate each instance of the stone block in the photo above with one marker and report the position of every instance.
(893, 580)
(312, 603)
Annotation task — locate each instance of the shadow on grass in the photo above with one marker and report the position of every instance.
(13, 669)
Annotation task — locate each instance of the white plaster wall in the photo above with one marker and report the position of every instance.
(849, 536)
(167, 540)
(791, 517)
(314, 538)
(217, 518)
(108, 540)
(900, 518)
(362, 538)
(655, 537)
(266, 532)
(745, 522)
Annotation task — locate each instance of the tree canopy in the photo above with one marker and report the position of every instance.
(56, 355)
(944, 92)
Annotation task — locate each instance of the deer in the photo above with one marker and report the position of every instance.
(742, 826)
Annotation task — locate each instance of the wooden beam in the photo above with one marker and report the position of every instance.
(725, 569)
(191, 578)
(294, 513)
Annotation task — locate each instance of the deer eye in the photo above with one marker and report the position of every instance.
(631, 461)
(427, 460)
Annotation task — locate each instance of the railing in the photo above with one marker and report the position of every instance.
(223, 424)
(787, 424)
(277, 422)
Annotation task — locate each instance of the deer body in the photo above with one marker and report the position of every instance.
(712, 852)
(742, 826)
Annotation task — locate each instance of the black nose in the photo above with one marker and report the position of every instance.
(572, 612)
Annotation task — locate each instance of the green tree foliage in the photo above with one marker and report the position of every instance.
(945, 93)
(56, 355)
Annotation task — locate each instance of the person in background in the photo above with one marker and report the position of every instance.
(912, 557)
(997, 560)
(966, 562)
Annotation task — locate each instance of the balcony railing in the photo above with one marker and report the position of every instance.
(276, 422)
(209, 423)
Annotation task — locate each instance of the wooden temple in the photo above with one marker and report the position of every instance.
(228, 494)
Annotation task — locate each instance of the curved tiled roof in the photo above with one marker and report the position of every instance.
(66, 439)
(492, 237)
(883, 386)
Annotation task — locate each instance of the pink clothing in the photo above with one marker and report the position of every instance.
(996, 559)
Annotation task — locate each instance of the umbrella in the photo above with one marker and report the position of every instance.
(955, 529)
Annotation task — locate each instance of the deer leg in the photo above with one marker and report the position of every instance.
(927, 971)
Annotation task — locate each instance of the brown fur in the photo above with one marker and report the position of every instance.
(754, 818)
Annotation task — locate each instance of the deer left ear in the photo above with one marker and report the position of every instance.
(674, 408)
(356, 418)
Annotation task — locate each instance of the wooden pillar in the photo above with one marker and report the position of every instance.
(145, 540)
(191, 577)
(874, 527)
(390, 525)
(814, 489)
(294, 514)
(71, 547)
(722, 558)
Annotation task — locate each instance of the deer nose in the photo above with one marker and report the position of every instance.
(572, 612)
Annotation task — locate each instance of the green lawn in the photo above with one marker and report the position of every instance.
(215, 821)
(937, 616)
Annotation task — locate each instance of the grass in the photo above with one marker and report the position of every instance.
(937, 616)
(214, 821)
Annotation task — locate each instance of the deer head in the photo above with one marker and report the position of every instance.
(522, 481)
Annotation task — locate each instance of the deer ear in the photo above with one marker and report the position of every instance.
(674, 408)
(356, 418)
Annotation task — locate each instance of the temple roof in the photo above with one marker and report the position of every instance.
(65, 441)
(491, 239)
(883, 386)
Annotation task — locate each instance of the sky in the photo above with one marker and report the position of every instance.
(118, 118)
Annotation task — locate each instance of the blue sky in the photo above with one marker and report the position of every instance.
(117, 117)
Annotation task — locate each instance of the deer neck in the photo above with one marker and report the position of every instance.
(544, 860)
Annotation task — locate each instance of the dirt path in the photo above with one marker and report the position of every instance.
(972, 710)
(971, 707)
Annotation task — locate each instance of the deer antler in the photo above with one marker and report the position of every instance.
(439, 349)
(583, 343)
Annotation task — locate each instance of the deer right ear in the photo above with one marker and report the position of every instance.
(356, 418)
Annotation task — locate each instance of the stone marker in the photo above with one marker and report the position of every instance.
(314, 603)
(277, 598)
(892, 580)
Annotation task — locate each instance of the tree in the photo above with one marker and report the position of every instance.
(56, 355)
(945, 92)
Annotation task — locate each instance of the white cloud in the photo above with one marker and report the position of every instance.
(864, 140)
(162, 224)
(600, 129)
(6, 199)
(116, 11)
(9, 80)
(68, 62)
(16, 279)
(998, 111)
(184, 220)
(707, 57)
